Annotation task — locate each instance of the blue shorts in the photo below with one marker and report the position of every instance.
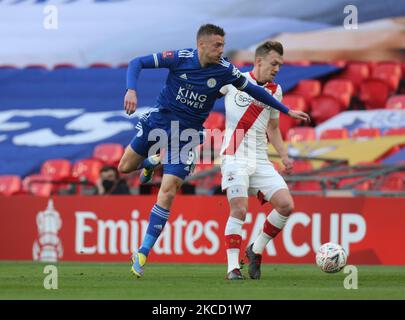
(158, 131)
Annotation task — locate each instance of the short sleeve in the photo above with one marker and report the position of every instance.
(274, 113)
(166, 59)
(224, 90)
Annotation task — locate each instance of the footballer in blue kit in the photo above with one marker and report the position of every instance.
(192, 86)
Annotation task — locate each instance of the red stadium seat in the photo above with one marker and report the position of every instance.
(341, 89)
(56, 169)
(286, 123)
(296, 102)
(277, 166)
(210, 181)
(329, 134)
(309, 89)
(212, 144)
(403, 67)
(339, 63)
(356, 72)
(36, 66)
(301, 166)
(396, 102)
(323, 108)
(392, 63)
(215, 120)
(395, 132)
(298, 134)
(39, 185)
(307, 186)
(366, 133)
(109, 153)
(64, 66)
(10, 184)
(374, 93)
(100, 65)
(389, 73)
(364, 186)
(393, 182)
(88, 169)
(8, 66)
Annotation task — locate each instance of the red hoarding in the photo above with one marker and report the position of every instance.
(109, 228)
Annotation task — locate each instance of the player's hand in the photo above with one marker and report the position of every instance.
(130, 101)
(300, 115)
(288, 164)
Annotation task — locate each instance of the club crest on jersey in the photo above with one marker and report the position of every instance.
(168, 54)
(211, 83)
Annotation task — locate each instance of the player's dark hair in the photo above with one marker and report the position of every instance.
(266, 47)
(210, 29)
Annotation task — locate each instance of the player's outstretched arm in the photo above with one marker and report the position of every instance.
(156, 60)
(263, 96)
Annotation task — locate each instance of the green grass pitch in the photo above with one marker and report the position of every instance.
(24, 280)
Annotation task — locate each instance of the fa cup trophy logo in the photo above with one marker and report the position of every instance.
(48, 247)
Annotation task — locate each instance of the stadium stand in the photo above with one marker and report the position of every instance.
(390, 73)
(341, 89)
(298, 134)
(396, 102)
(376, 85)
(10, 184)
(215, 120)
(366, 133)
(374, 93)
(356, 72)
(109, 153)
(309, 89)
(39, 185)
(296, 101)
(393, 182)
(56, 169)
(395, 132)
(87, 169)
(324, 107)
(340, 133)
(64, 66)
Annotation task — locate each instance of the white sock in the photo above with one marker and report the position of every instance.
(275, 219)
(233, 259)
(233, 227)
(261, 242)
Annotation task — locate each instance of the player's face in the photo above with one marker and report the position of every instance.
(212, 48)
(269, 66)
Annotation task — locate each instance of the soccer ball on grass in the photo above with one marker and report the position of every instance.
(331, 257)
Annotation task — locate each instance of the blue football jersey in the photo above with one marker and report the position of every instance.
(190, 90)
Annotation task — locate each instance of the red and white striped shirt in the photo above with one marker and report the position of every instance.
(247, 120)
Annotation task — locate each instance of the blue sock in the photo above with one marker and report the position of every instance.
(157, 220)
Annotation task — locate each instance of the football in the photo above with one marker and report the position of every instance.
(331, 257)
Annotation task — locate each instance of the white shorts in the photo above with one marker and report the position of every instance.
(255, 176)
